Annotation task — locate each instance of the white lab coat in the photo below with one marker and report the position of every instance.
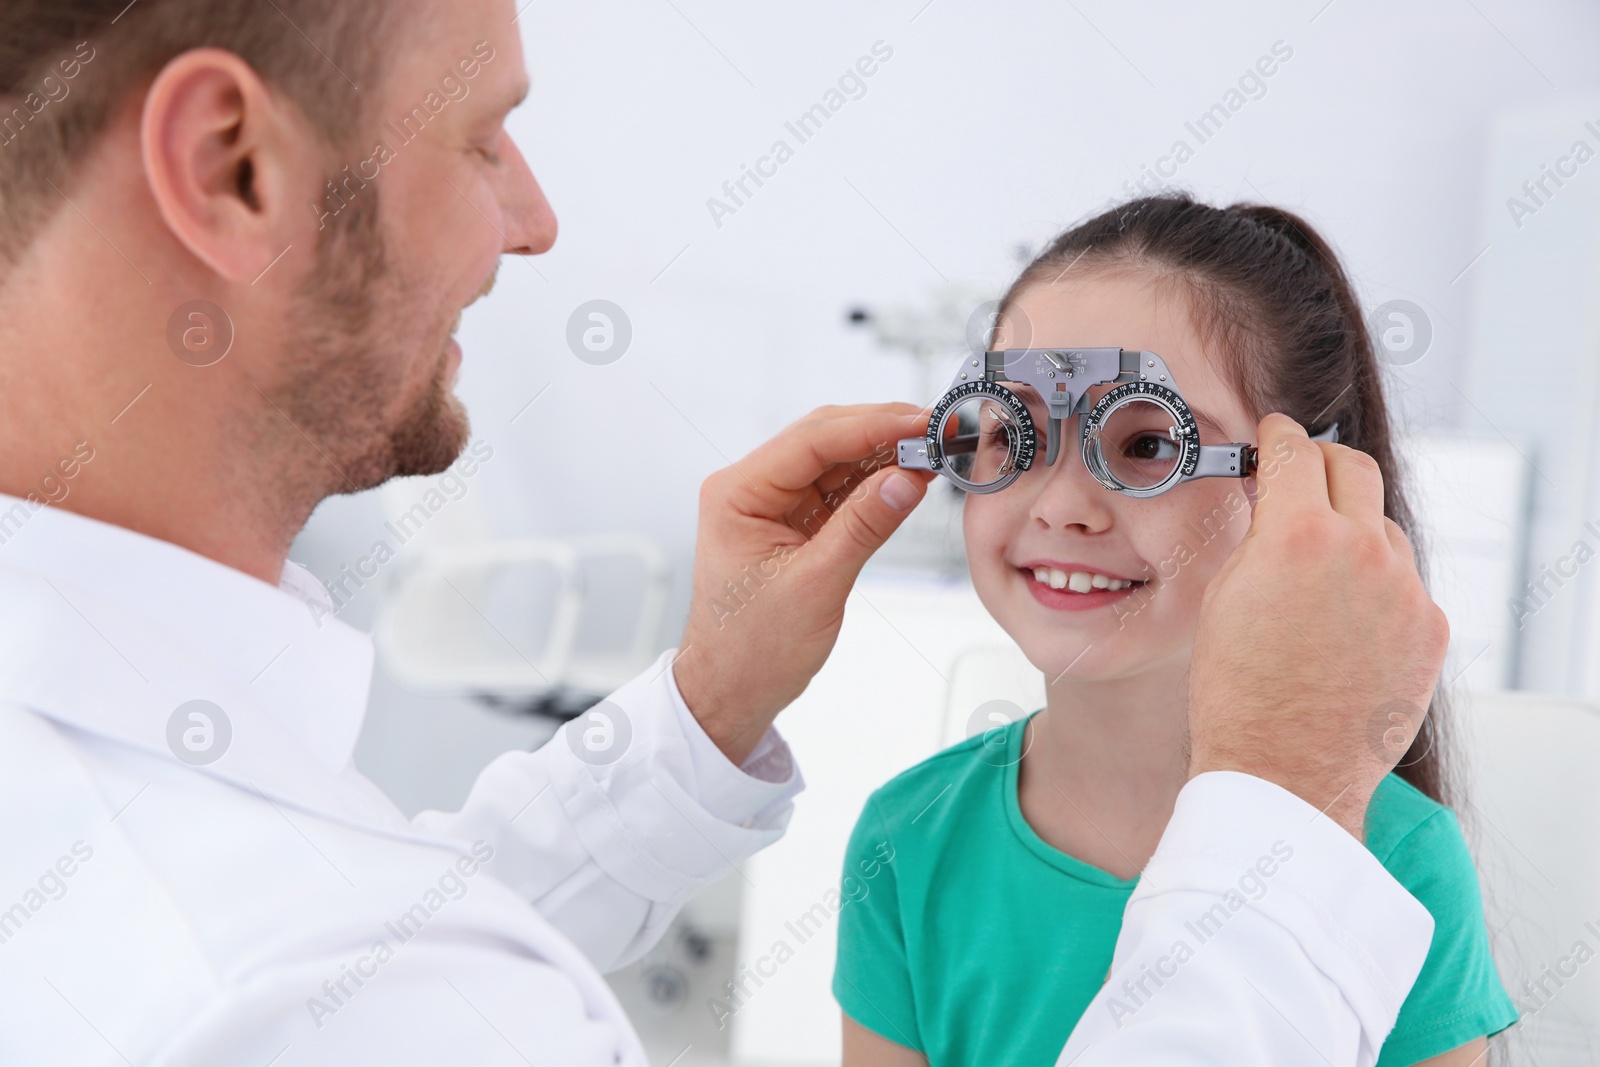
(273, 907)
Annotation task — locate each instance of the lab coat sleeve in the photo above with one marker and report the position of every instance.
(1260, 933)
(623, 815)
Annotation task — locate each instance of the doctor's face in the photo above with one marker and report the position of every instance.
(1053, 520)
(410, 232)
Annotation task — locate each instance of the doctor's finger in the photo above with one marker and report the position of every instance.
(1290, 470)
(845, 478)
(815, 445)
(858, 527)
(1401, 544)
(1355, 483)
(808, 515)
(833, 489)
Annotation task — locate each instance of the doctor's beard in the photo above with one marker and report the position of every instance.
(359, 328)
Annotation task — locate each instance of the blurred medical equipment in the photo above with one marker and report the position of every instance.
(956, 318)
(672, 992)
(541, 625)
(1533, 294)
(1532, 816)
(1140, 438)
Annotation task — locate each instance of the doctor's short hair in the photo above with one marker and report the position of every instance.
(68, 66)
(1271, 299)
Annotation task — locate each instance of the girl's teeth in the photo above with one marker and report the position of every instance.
(1077, 581)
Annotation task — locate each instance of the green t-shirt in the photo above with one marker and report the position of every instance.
(980, 943)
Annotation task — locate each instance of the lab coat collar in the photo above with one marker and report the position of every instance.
(110, 631)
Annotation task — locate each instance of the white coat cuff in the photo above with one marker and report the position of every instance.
(671, 813)
(1353, 920)
(743, 795)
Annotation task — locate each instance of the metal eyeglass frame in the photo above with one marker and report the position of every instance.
(1063, 377)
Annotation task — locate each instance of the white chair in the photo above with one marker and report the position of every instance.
(434, 629)
(556, 643)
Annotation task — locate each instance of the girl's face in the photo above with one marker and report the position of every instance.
(1058, 518)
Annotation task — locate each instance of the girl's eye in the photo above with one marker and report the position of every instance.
(1151, 448)
(489, 155)
(995, 431)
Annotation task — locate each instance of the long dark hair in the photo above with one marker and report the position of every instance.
(1269, 294)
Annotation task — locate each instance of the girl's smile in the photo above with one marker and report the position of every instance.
(1066, 586)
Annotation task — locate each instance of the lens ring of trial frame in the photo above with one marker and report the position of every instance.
(1185, 433)
(1021, 431)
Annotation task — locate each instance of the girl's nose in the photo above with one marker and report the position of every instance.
(1065, 493)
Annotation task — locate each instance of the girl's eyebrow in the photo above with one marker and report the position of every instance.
(1201, 418)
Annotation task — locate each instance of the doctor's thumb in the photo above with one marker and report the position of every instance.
(867, 517)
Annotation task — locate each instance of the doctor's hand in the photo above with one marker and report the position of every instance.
(783, 534)
(1318, 649)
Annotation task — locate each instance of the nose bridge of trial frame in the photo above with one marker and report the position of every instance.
(1063, 377)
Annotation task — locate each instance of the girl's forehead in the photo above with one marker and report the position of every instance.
(1126, 309)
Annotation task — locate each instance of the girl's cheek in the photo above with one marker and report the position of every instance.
(985, 525)
(1198, 541)
(989, 526)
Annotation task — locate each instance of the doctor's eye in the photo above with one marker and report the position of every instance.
(487, 149)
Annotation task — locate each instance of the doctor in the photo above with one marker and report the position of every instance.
(228, 280)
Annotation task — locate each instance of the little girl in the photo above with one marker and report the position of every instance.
(1015, 851)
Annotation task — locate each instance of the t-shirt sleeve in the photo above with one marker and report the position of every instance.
(871, 976)
(1458, 995)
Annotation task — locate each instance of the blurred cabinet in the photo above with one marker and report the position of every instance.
(1533, 372)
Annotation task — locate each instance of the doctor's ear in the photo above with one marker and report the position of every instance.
(220, 154)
